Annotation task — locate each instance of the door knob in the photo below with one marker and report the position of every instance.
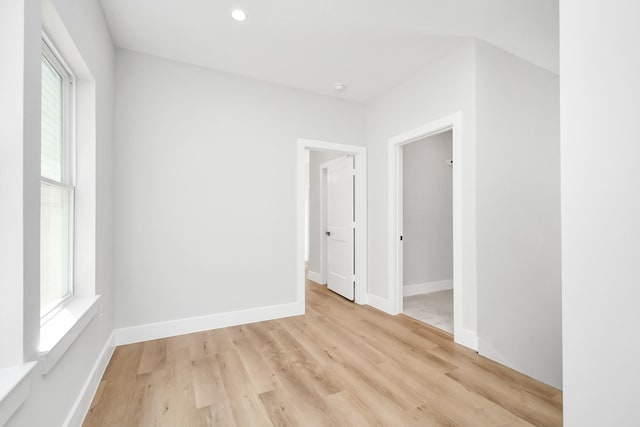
(328, 233)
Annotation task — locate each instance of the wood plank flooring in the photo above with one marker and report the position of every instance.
(340, 364)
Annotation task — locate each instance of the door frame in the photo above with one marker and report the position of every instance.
(395, 202)
(359, 154)
(323, 219)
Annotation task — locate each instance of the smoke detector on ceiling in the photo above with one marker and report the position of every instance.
(340, 87)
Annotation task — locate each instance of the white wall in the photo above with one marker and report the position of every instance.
(600, 106)
(19, 179)
(443, 88)
(52, 396)
(518, 222)
(427, 210)
(316, 158)
(511, 123)
(205, 203)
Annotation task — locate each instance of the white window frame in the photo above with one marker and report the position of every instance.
(50, 53)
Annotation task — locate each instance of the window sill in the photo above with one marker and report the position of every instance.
(57, 335)
(14, 389)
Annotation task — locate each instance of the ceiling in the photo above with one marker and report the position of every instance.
(369, 45)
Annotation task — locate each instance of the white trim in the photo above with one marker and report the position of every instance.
(466, 338)
(57, 335)
(82, 404)
(323, 224)
(360, 155)
(426, 288)
(152, 331)
(54, 57)
(454, 123)
(382, 304)
(315, 277)
(14, 389)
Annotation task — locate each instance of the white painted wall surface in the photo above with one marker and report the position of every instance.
(445, 87)
(518, 222)
(51, 397)
(427, 210)
(205, 180)
(600, 106)
(316, 158)
(19, 145)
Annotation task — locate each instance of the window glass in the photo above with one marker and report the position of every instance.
(56, 187)
(51, 131)
(55, 245)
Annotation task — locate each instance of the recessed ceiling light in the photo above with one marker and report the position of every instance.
(340, 87)
(239, 15)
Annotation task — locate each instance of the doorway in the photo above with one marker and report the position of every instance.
(427, 230)
(340, 257)
(464, 252)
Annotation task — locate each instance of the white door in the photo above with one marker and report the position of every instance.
(340, 227)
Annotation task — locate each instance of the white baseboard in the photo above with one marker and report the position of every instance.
(425, 288)
(83, 402)
(466, 338)
(190, 325)
(382, 304)
(315, 277)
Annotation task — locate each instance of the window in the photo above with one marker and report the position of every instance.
(57, 190)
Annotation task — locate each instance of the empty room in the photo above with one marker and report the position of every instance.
(319, 213)
(427, 230)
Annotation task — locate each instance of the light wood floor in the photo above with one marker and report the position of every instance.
(340, 364)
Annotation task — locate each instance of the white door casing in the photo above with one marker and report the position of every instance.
(464, 286)
(340, 230)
